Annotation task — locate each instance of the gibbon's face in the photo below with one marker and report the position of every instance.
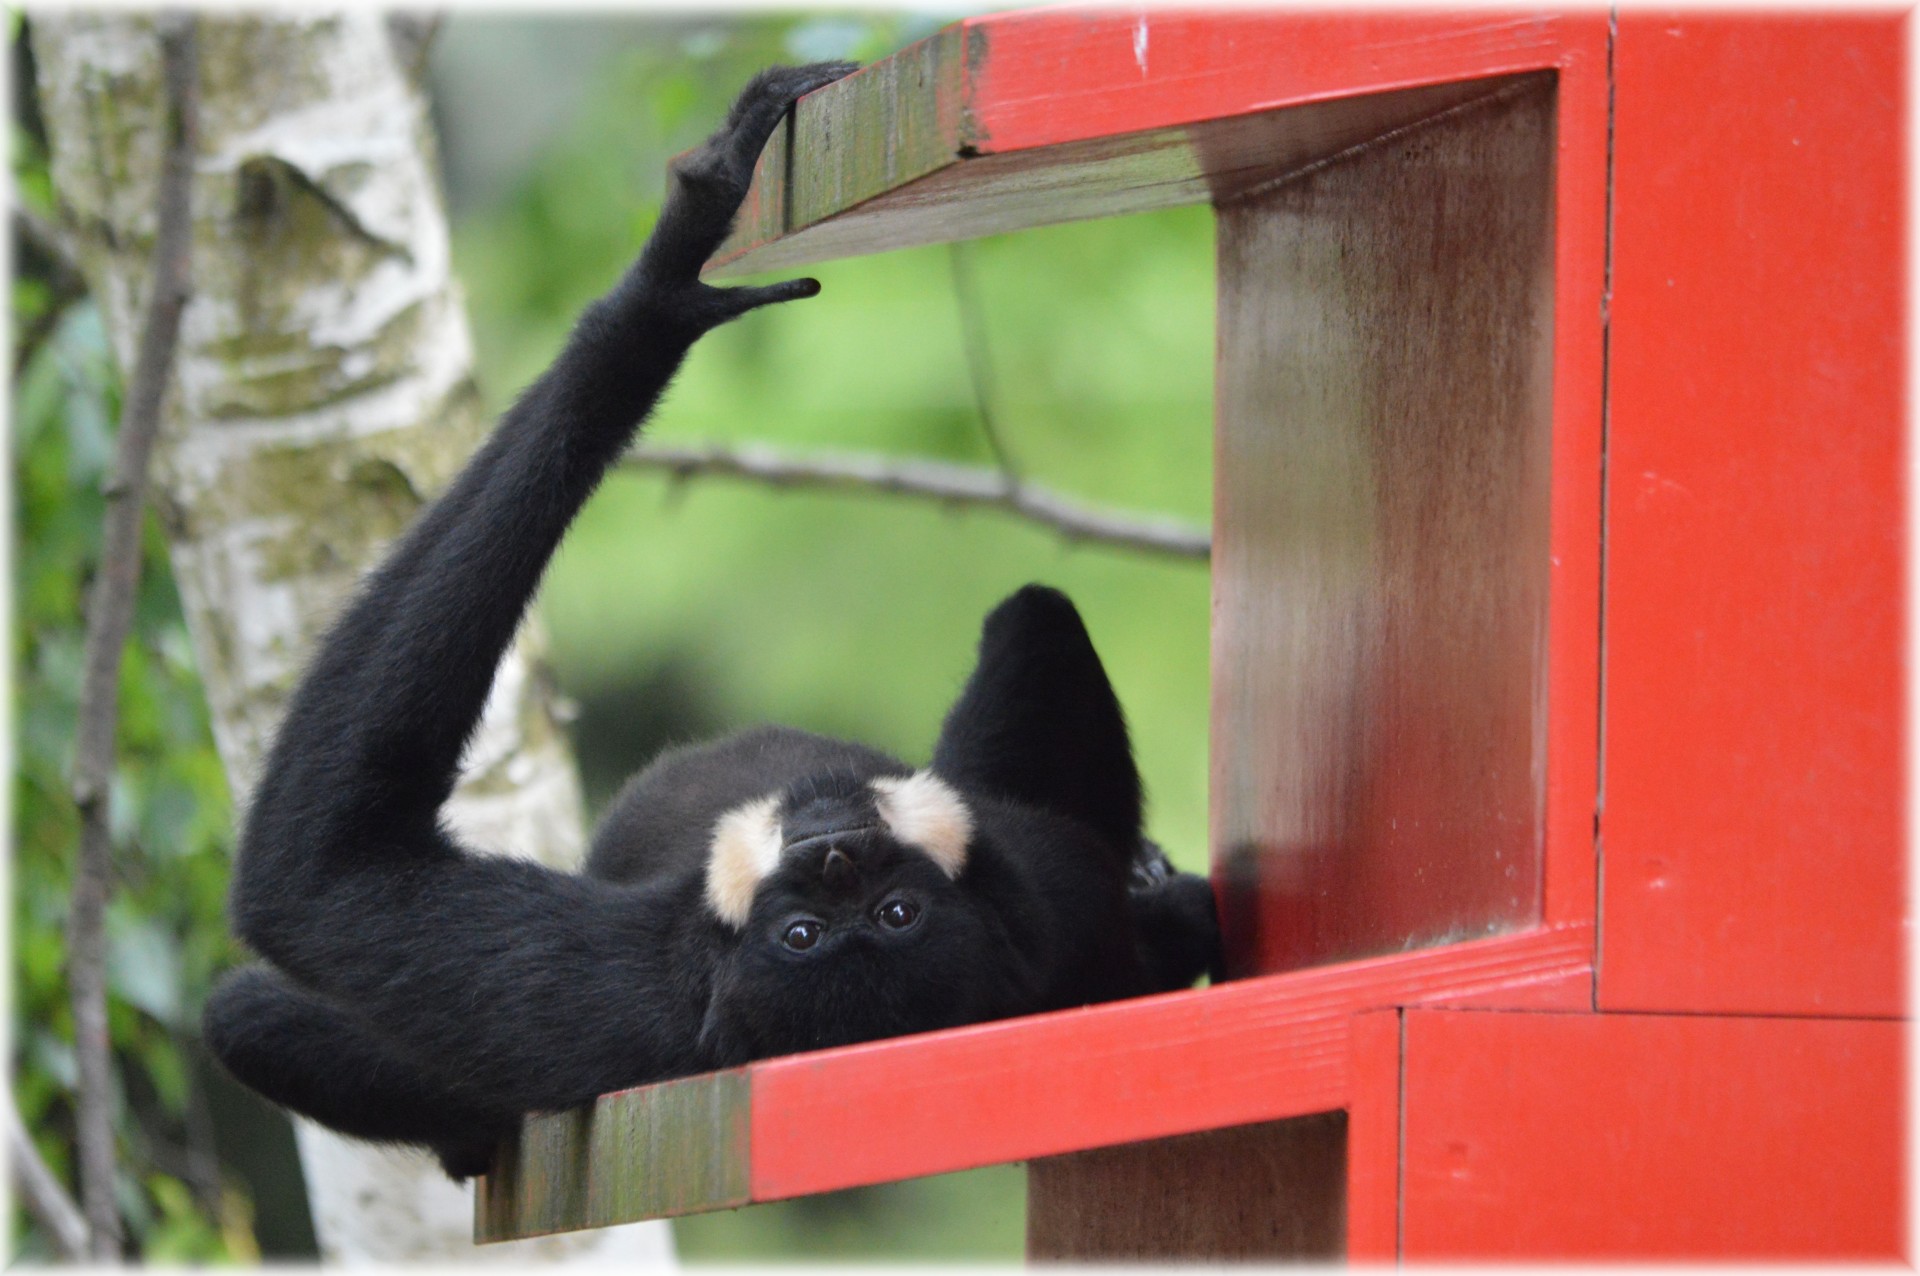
(851, 921)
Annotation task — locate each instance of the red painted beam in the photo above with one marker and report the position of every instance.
(1373, 1138)
(1253, 1050)
(1755, 847)
(1687, 1137)
(1051, 76)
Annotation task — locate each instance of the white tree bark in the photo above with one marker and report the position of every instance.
(324, 394)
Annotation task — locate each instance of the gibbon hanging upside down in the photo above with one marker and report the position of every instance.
(775, 891)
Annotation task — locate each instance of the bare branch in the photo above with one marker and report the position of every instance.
(938, 481)
(1007, 488)
(44, 1196)
(109, 620)
(973, 336)
(36, 237)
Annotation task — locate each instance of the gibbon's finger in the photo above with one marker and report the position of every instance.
(730, 303)
(788, 82)
(766, 99)
(710, 181)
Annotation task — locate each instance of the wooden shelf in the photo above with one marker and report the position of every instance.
(1432, 229)
(1254, 1050)
(1017, 120)
(1465, 814)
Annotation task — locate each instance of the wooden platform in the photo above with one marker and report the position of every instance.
(1558, 423)
(1252, 1051)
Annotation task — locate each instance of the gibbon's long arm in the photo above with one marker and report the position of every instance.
(523, 988)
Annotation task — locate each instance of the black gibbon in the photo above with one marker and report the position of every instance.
(773, 892)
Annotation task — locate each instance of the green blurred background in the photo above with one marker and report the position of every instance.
(676, 610)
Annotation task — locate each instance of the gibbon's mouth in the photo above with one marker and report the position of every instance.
(811, 838)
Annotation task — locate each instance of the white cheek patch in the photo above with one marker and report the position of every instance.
(923, 811)
(745, 848)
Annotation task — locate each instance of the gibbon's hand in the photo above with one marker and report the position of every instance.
(708, 185)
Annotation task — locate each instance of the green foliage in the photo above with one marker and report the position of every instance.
(168, 813)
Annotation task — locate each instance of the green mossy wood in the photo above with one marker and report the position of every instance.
(660, 1150)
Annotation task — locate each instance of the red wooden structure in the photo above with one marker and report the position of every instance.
(1557, 747)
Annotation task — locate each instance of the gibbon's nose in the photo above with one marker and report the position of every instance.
(826, 817)
(836, 870)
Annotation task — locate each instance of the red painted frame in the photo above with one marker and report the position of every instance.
(1054, 77)
(1057, 77)
(1253, 1050)
(1341, 1036)
(1375, 1047)
(1675, 1137)
(1755, 840)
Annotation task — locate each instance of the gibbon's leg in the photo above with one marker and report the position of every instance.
(306, 1055)
(542, 988)
(1038, 721)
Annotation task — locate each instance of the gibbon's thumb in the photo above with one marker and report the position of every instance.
(726, 304)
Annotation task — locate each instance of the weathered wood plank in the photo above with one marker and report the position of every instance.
(880, 128)
(927, 186)
(673, 1148)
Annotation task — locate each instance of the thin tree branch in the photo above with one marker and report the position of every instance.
(45, 1198)
(34, 232)
(938, 481)
(109, 620)
(973, 336)
(34, 237)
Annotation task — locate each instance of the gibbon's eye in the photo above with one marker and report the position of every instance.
(801, 936)
(898, 914)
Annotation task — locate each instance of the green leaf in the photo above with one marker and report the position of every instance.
(143, 963)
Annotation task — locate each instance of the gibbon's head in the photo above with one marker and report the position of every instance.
(839, 841)
(874, 904)
(852, 920)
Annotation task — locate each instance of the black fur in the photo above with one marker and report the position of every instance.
(416, 993)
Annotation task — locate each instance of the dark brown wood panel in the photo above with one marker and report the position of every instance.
(1261, 1192)
(1381, 542)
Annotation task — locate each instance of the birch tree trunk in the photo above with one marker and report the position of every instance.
(324, 394)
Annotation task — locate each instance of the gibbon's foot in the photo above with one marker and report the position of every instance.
(1177, 931)
(1150, 868)
(464, 1160)
(710, 181)
(759, 108)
